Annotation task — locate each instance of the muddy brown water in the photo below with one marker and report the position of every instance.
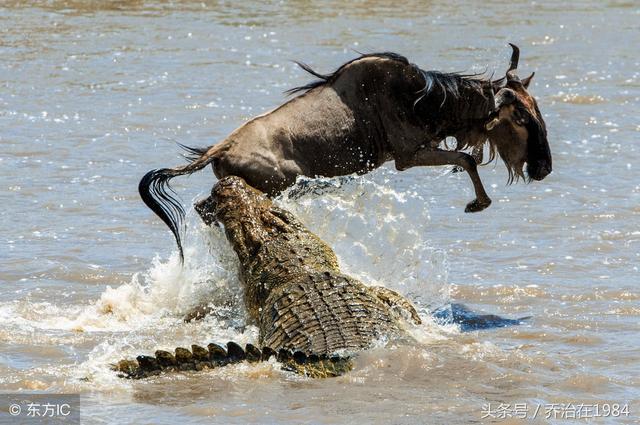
(95, 93)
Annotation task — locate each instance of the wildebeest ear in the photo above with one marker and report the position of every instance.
(498, 84)
(527, 80)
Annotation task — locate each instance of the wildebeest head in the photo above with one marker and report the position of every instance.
(516, 128)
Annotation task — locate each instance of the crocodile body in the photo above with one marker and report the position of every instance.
(310, 315)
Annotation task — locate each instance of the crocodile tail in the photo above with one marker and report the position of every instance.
(158, 195)
(200, 358)
(315, 366)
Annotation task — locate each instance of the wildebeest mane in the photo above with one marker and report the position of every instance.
(328, 78)
(458, 96)
(450, 84)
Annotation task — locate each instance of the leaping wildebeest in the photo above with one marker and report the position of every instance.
(373, 109)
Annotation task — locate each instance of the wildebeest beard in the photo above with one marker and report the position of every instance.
(538, 152)
(514, 155)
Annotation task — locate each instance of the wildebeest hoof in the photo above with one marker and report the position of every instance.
(475, 205)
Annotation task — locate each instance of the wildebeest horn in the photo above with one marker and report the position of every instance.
(513, 65)
(515, 57)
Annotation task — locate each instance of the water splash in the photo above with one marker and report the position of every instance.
(380, 235)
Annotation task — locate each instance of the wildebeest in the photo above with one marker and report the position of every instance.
(373, 109)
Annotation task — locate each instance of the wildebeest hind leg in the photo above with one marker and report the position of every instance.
(437, 157)
(261, 170)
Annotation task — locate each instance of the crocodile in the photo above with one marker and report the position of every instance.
(311, 316)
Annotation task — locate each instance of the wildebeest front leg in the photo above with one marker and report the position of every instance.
(427, 157)
(477, 153)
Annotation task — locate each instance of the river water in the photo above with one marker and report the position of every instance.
(95, 93)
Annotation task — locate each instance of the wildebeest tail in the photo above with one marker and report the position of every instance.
(158, 195)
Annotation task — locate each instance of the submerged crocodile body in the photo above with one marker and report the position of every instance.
(310, 315)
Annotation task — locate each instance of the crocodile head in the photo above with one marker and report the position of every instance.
(249, 217)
